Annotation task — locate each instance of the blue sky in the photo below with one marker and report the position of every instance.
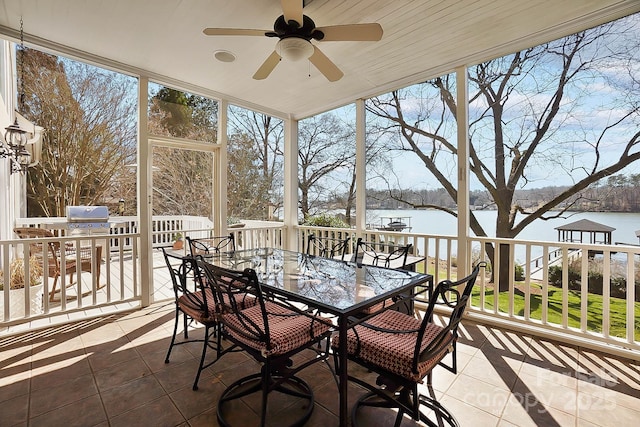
(590, 111)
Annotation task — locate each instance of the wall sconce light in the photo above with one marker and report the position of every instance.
(14, 147)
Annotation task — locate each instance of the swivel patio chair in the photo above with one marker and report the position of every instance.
(195, 305)
(327, 247)
(211, 245)
(52, 256)
(272, 332)
(403, 350)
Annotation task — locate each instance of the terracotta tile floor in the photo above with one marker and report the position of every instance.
(111, 372)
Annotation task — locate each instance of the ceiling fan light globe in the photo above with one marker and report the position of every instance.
(294, 48)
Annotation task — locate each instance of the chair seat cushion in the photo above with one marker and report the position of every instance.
(192, 304)
(378, 307)
(394, 352)
(288, 329)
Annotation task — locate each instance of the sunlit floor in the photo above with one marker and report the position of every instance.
(111, 372)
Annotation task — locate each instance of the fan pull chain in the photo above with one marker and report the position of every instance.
(309, 65)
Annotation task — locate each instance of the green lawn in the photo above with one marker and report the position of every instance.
(617, 307)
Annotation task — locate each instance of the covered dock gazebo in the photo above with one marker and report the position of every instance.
(573, 232)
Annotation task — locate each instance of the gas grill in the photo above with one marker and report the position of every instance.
(87, 218)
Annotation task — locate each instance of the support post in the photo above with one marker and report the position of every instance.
(462, 112)
(145, 180)
(291, 184)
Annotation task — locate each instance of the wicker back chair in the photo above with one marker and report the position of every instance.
(50, 255)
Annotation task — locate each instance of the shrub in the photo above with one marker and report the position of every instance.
(325, 220)
(16, 272)
(618, 285)
(518, 274)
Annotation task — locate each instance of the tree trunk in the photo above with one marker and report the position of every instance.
(503, 230)
(505, 263)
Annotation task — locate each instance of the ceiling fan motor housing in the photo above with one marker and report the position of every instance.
(307, 31)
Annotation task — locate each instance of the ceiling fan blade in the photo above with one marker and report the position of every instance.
(233, 32)
(325, 66)
(267, 66)
(292, 10)
(352, 32)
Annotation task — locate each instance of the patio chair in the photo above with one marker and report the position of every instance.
(381, 254)
(327, 247)
(211, 245)
(272, 332)
(194, 305)
(55, 267)
(402, 350)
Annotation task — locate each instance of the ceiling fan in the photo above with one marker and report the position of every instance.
(295, 32)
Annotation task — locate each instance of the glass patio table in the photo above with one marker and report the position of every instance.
(338, 288)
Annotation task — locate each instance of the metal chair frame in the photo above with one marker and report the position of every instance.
(211, 245)
(259, 331)
(381, 253)
(327, 247)
(400, 391)
(197, 305)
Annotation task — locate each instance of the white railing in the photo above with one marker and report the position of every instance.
(110, 279)
(252, 235)
(437, 247)
(540, 302)
(164, 228)
(566, 293)
(550, 298)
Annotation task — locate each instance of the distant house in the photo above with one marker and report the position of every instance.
(598, 233)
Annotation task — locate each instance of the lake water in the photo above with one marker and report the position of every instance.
(441, 223)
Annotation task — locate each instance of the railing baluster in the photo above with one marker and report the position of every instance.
(606, 293)
(631, 297)
(119, 274)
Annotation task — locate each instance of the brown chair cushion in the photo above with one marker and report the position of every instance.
(192, 306)
(394, 351)
(377, 307)
(288, 329)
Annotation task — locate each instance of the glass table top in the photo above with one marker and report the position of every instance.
(336, 285)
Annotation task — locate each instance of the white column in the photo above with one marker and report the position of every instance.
(8, 207)
(361, 168)
(145, 183)
(219, 199)
(291, 183)
(462, 111)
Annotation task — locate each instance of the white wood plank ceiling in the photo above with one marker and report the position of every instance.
(422, 39)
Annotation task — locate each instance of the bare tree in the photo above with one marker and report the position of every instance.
(247, 189)
(86, 113)
(527, 114)
(326, 150)
(262, 138)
